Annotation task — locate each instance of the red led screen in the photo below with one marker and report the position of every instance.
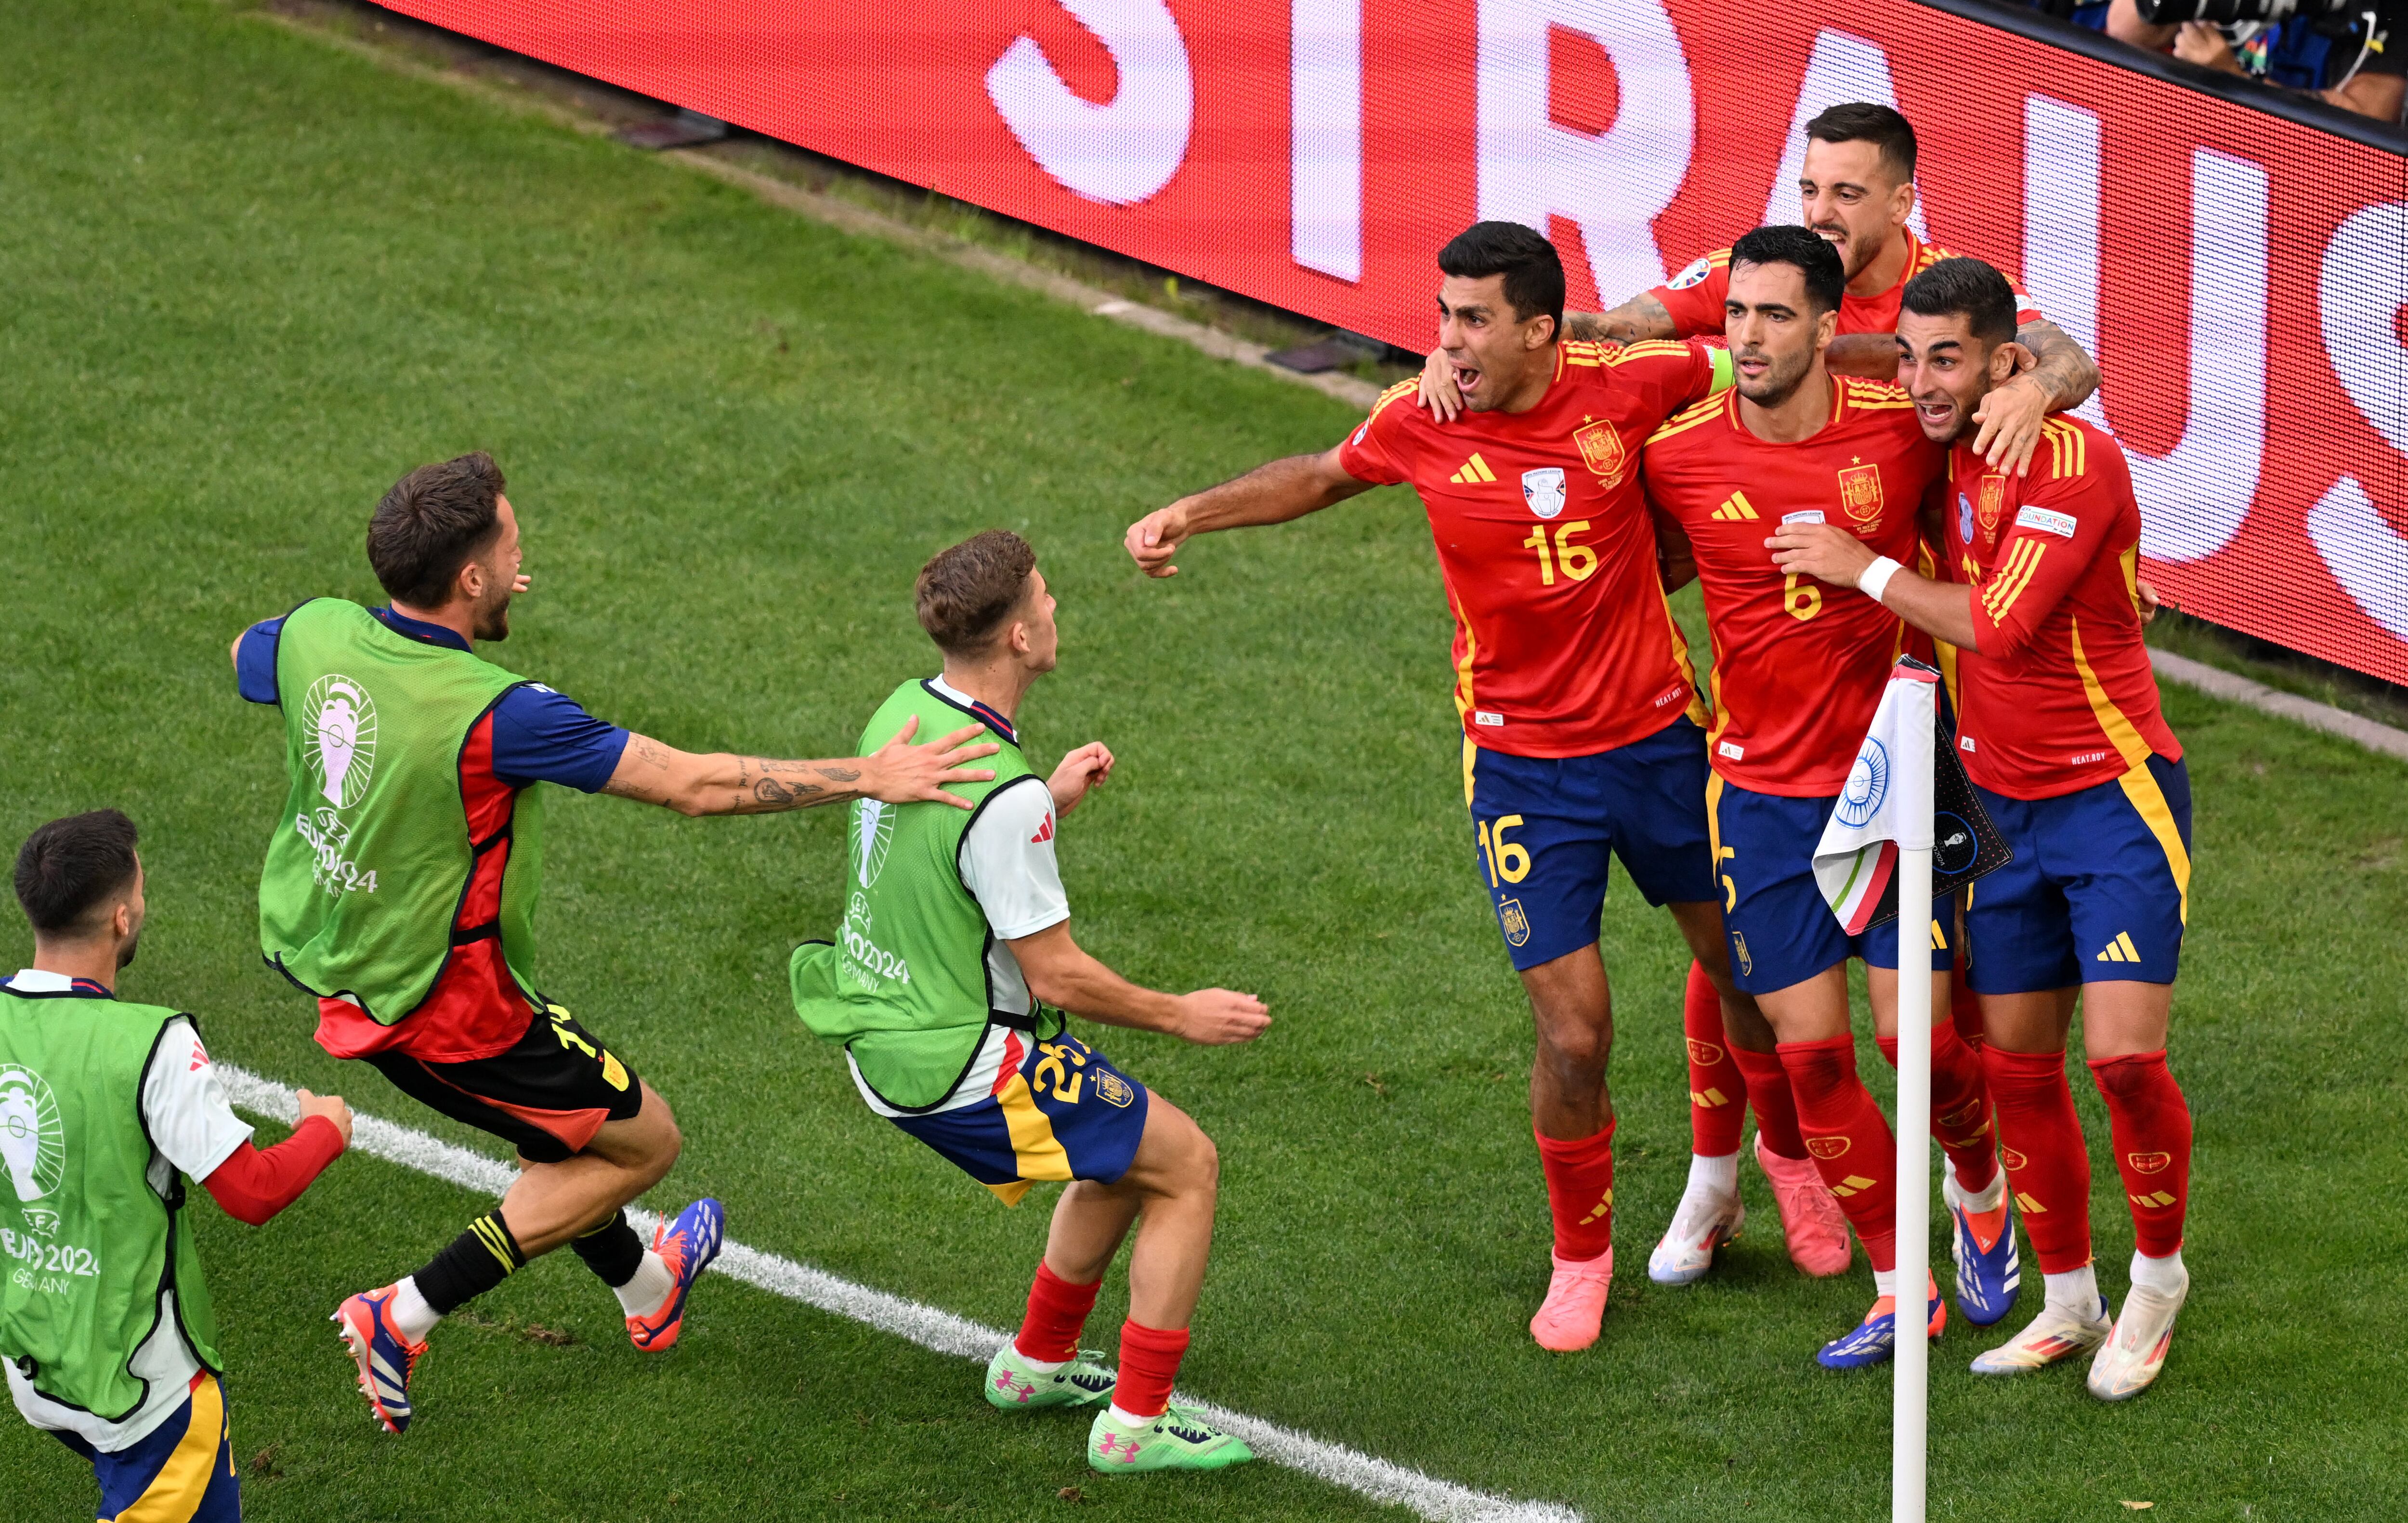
(2239, 277)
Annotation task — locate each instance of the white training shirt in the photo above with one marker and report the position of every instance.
(1007, 862)
(192, 1131)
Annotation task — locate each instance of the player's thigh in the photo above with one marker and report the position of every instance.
(2122, 853)
(1878, 945)
(2017, 930)
(1542, 851)
(1781, 930)
(1174, 1156)
(1654, 794)
(183, 1469)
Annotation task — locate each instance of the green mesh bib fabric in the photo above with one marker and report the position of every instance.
(371, 857)
(904, 986)
(86, 1244)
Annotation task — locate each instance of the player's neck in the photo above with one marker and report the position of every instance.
(91, 960)
(998, 685)
(1887, 266)
(1799, 416)
(456, 616)
(1533, 387)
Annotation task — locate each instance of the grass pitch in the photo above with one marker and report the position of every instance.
(252, 278)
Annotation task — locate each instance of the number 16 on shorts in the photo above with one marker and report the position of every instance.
(1508, 862)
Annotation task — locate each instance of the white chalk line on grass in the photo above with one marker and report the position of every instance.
(926, 1326)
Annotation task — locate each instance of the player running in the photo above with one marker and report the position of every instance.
(107, 1110)
(400, 889)
(2061, 736)
(955, 941)
(1582, 736)
(1856, 188)
(1797, 679)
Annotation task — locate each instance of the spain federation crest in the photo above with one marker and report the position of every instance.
(1602, 452)
(1516, 924)
(1990, 509)
(1543, 490)
(1861, 495)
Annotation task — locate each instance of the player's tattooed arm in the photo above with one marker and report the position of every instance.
(2059, 377)
(1268, 494)
(721, 783)
(1061, 973)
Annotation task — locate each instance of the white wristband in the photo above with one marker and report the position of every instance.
(1874, 578)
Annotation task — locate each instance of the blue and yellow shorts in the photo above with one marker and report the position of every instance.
(1060, 1111)
(1546, 828)
(183, 1469)
(2098, 890)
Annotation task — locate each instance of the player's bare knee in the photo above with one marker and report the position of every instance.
(1574, 1050)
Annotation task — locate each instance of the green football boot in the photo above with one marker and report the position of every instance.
(1013, 1385)
(1177, 1439)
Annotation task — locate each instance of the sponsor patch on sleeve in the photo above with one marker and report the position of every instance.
(1694, 275)
(2045, 522)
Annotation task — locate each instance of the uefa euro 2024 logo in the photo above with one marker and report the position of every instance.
(1867, 785)
(32, 1142)
(873, 833)
(340, 739)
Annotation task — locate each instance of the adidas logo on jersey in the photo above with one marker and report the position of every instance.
(1736, 508)
(2121, 949)
(1474, 470)
(1044, 832)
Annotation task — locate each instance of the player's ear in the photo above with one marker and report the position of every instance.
(2010, 360)
(1541, 333)
(1902, 202)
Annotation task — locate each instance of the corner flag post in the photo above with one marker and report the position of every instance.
(1911, 1361)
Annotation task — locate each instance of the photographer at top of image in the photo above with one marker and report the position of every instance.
(2332, 48)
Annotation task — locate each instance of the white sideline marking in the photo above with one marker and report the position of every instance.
(926, 1326)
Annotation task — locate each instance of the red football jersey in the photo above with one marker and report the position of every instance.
(1798, 667)
(1695, 297)
(1563, 644)
(2058, 694)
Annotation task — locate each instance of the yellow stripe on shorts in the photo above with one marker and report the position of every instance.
(175, 1494)
(1036, 1153)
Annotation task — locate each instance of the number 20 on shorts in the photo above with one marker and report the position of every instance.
(1509, 861)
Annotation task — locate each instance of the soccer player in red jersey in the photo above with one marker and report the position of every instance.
(1856, 188)
(2061, 736)
(1581, 719)
(1797, 679)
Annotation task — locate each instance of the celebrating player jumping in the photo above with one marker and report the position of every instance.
(400, 889)
(1796, 678)
(1582, 736)
(107, 1109)
(956, 938)
(2060, 733)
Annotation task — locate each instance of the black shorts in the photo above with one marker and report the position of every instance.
(546, 1097)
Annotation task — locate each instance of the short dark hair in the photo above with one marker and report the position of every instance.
(430, 524)
(1861, 121)
(965, 594)
(1533, 271)
(70, 866)
(1827, 277)
(1966, 286)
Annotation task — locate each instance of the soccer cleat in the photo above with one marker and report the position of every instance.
(1810, 1221)
(1703, 1222)
(1013, 1385)
(2135, 1351)
(1875, 1338)
(1984, 1246)
(1177, 1439)
(687, 1245)
(386, 1358)
(1567, 1319)
(2055, 1334)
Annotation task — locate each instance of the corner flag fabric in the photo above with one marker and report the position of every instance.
(1855, 863)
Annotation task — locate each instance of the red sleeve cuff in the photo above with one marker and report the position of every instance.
(252, 1185)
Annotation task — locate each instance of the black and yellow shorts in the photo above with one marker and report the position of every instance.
(546, 1096)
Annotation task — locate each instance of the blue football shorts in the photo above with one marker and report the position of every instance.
(1060, 1111)
(2098, 890)
(181, 1468)
(1545, 829)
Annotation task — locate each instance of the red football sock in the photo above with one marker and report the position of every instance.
(2150, 1122)
(1579, 1193)
(1961, 1106)
(1056, 1311)
(1149, 1368)
(1717, 1088)
(1768, 1097)
(1965, 1010)
(1851, 1142)
(2048, 1165)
